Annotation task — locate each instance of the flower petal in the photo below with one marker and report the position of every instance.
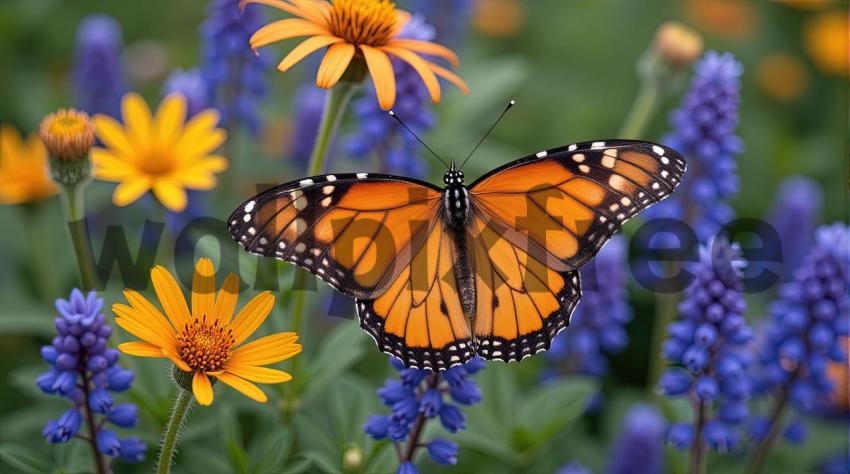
(401, 20)
(112, 134)
(108, 167)
(203, 290)
(202, 388)
(169, 119)
(266, 350)
(285, 6)
(258, 374)
(251, 316)
(129, 190)
(140, 349)
(336, 61)
(132, 321)
(149, 312)
(285, 29)
(170, 194)
(305, 48)
(426, 47)
(449, 76)
(175, 358)
(137, 118)
(225, 302)
(247, 388)
(200, 136)
(170, 297)
(382, 74)
(421, 67)
(316, 12)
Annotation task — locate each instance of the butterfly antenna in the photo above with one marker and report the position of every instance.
(510, 104)
(393, 115)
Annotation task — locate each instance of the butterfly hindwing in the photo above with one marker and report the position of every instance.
(354, 231)
(419, 318)
(521, 304)
(562, 205)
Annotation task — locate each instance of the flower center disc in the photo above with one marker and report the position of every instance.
(204, 346)
(156, 161)
(369, 22)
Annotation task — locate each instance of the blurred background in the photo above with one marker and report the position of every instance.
(573, 68)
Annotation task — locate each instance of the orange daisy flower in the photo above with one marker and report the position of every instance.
(206, 342)
(355, 31)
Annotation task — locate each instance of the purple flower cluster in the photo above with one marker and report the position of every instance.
(704, 131)
(233, 73)
(796, 212)
(379, 134)
(309, 105)
(640, 447)
(808, 321)
(192, 86)
(85, 371)
(418, 396)
(98, 76)
(597, 325)
(450, 18)
(707, 347)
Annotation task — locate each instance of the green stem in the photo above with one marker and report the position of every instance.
(336, 102)
(642, 111)
(100, 463)
(75, 208)
(172, 430)
(759, 456)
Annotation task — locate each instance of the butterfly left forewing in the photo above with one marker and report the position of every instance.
(354, 231)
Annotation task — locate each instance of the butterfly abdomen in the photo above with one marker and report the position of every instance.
(463, 274)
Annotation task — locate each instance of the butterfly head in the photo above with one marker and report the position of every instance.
(453, 177)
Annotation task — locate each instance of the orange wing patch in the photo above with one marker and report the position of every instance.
(355, 233)
(521, 304)
(419, 318)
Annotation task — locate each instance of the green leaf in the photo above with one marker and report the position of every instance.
(323, 460)
(270, 454)
(24, 459)
(26, 321)
(552, 407)
(340, 349)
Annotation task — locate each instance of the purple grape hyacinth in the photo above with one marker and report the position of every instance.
(704, 131)
(640, 446)
(707, 348)
(418, 396)
(379, 134)
(98, 75)
(808, 321)
(86, 372)
(796, 212)
(233, 73)
(597, 325)
(192, 86)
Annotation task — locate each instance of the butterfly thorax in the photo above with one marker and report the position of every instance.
(455, 201)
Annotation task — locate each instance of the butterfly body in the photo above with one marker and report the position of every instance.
(442, 274)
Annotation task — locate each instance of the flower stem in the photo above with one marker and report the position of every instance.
(336, 102)
(698, 448)
(413, 444)
(99, 461)
(75, 210)
(642, 110)
(780, 404)
(172, 430)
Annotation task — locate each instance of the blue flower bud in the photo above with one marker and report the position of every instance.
(125, 415)
(49, 354)
(695, 359)
(407, 467)
(393, 392)
(795, 432)
(443, 451)
(452, 418)
(66, 361)
(46, 381)
(455, 375)
(466, 393)
(673, 349)
(65, 382)
(431, 402)
(118, 379)
(406, 408)
(475, 365)
(733, 411)
(97, 363)
(398, 427)
(88, 339)
(108, 443)
(682, 330)
(803, 396)
(412, 377)
(706, 388)
(100, 401)
(675, 382)
(758, 428)
(132, 449)
(64, 428)
(719, 437)
(681, 435)
(705, 335)
(821, 336)
(377, 426)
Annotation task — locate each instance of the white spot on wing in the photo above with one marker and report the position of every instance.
(597, 145)
(658, 150)
(542, 154)
(331, 178)
(362, 175)
(250, 206)
(305, 182)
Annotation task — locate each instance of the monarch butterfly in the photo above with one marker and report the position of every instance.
(442, 274)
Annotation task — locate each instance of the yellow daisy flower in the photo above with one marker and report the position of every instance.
(206, 342)
(355, 30)
(24, 175)
(163, 153)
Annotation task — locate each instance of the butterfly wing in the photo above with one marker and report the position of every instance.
(521, 303)
(334, 226)
(419, 319)
(562, 205)
(538, 219)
